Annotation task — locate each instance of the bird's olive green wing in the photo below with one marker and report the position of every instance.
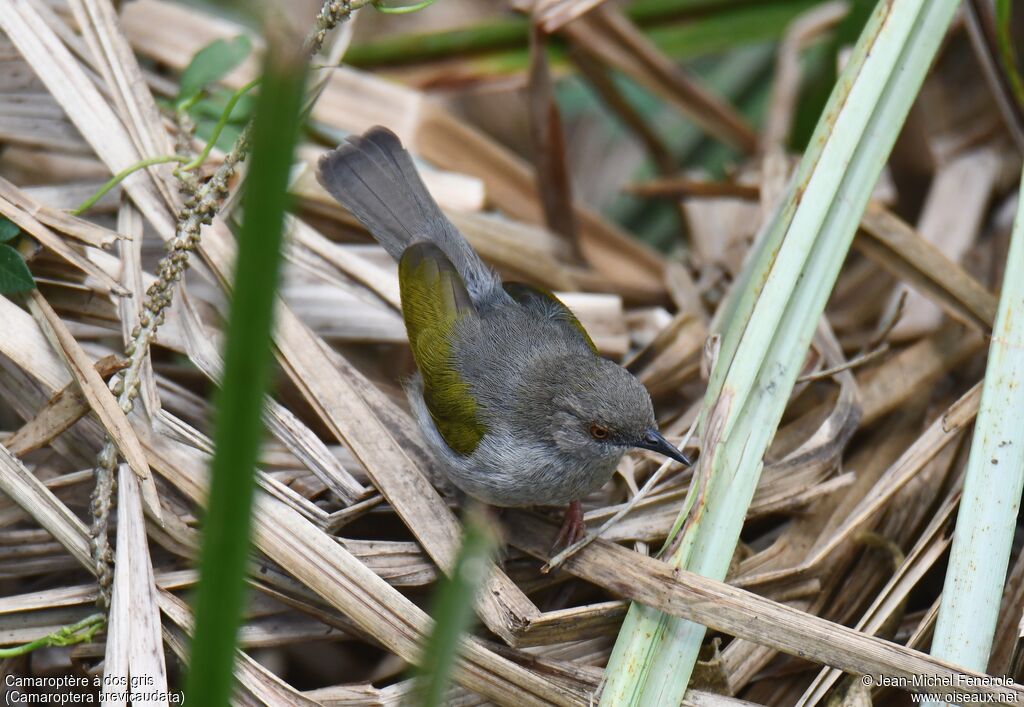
(434, 299)
(545, 304)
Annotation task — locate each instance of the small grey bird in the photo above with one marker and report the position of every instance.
(511, 394)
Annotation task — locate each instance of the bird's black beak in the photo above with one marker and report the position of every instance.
(653, 440)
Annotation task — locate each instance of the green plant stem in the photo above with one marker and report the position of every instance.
(121, 176)
(681, 28)
(1007, 50)
(247, 361)
(81, 632)
(402, 9)
(225, 116)
(769, 320)
(987, 517)
(190, 102)
(187, 166)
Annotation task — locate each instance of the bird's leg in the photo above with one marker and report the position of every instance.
(572, 529)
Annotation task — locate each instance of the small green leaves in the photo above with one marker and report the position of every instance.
(14, 274)
(210, 64)
(220, 114)
(8, 230)
(216, 104)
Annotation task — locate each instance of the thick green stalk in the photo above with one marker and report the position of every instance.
(987, 518)
(247, 359)
(681, 28)
(771, 319)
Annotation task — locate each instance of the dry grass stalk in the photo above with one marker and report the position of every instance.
(134, 646)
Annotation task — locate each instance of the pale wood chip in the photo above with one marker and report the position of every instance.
(98, 395)
(62, 410)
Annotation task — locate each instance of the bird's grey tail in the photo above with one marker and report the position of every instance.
(373, 177)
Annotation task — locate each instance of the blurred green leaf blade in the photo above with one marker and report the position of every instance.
(453, 609)
(210, 64)
(238, 427)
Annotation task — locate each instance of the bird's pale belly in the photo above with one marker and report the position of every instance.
(528, 475)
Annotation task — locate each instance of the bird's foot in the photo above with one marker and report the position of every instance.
(573, 528)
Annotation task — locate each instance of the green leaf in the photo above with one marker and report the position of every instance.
(453, 609)
(8, 230)
(248, 364)
(209, 111)
(14, 274)
(212, 63)
(987, 515)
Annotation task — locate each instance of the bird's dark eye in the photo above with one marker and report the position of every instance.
(598, 431)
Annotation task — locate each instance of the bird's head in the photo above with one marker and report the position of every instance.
(599, 410)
